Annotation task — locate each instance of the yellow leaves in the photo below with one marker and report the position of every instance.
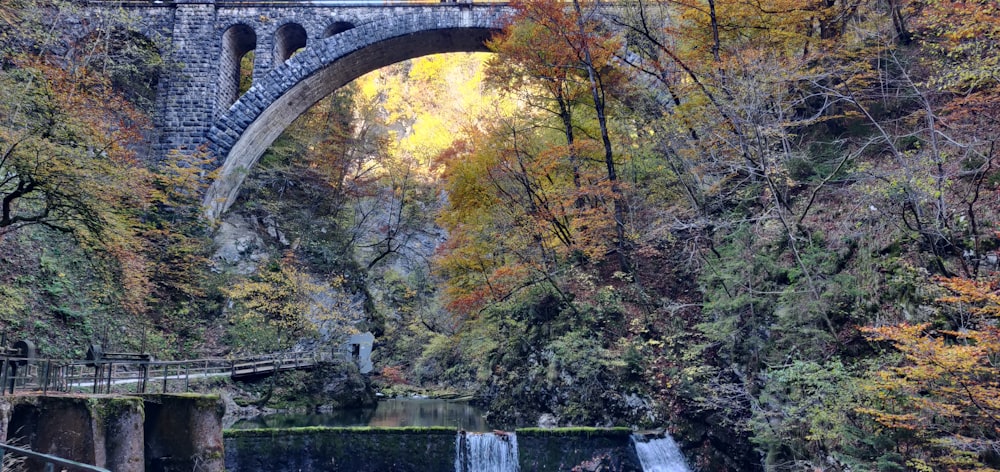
(919, 465)
(421, 126)
(962, 42)
(981, 298)
(891, 420)
(278, 305)
(947, 383)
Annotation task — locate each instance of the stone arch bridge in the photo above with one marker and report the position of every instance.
(303, 52)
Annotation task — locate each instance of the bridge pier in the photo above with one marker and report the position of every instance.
(103, 431)
(187, 96)
(183, 432)
(153, 433)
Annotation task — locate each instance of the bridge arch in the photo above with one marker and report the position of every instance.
(241, 135)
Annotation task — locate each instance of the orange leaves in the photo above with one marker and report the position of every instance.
(70, 164)
(981, 298)
(394, 375)
(538, 186)
(946, 390)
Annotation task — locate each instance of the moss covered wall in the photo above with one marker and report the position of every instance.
(341, 449)
(183, 433)
(542, 450)
(419, 449)
(156, 433)
(102, 430)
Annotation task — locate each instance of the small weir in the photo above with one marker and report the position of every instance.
(443, 449)
(659, 454)
(486, 452)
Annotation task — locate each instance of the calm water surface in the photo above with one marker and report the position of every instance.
(390, 412)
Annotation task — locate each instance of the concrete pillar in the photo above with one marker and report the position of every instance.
(105, 431)
(183, 433)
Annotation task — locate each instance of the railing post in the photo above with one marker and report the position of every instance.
(48, 374)
(13, 375)
(3, 376)
(164, 377)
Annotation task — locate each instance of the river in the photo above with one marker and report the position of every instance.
(394, 412)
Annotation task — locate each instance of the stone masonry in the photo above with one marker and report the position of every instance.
(333, 42)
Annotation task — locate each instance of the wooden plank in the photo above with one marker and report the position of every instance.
(270, 366)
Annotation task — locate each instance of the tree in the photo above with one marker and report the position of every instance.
(274, 309)
(67, 160)
(943, 396)
(560, 59)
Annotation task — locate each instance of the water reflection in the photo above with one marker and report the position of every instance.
(391, 412)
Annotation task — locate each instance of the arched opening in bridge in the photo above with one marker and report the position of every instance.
(335, 64)
(288, 39)
(237, 41)
(336, 28)
(350, 183)
(302, 81)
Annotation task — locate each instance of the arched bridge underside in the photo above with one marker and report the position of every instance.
(241, 134)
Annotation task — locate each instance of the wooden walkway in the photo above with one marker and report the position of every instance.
(152, 376)
(269, 366)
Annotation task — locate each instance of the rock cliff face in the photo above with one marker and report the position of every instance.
(240, 247)
(369, 268)
(245, 243)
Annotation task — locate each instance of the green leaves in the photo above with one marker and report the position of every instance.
(273, 309)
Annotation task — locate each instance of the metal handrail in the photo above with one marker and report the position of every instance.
(49, 460)
(63, 375)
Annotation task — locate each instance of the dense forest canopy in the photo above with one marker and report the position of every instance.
(770, 226)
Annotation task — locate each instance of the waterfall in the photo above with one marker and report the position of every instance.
(659, 454)
(486, 452)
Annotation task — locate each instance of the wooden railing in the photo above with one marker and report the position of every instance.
(129, 376)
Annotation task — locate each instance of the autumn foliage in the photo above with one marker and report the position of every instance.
(944, 395)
